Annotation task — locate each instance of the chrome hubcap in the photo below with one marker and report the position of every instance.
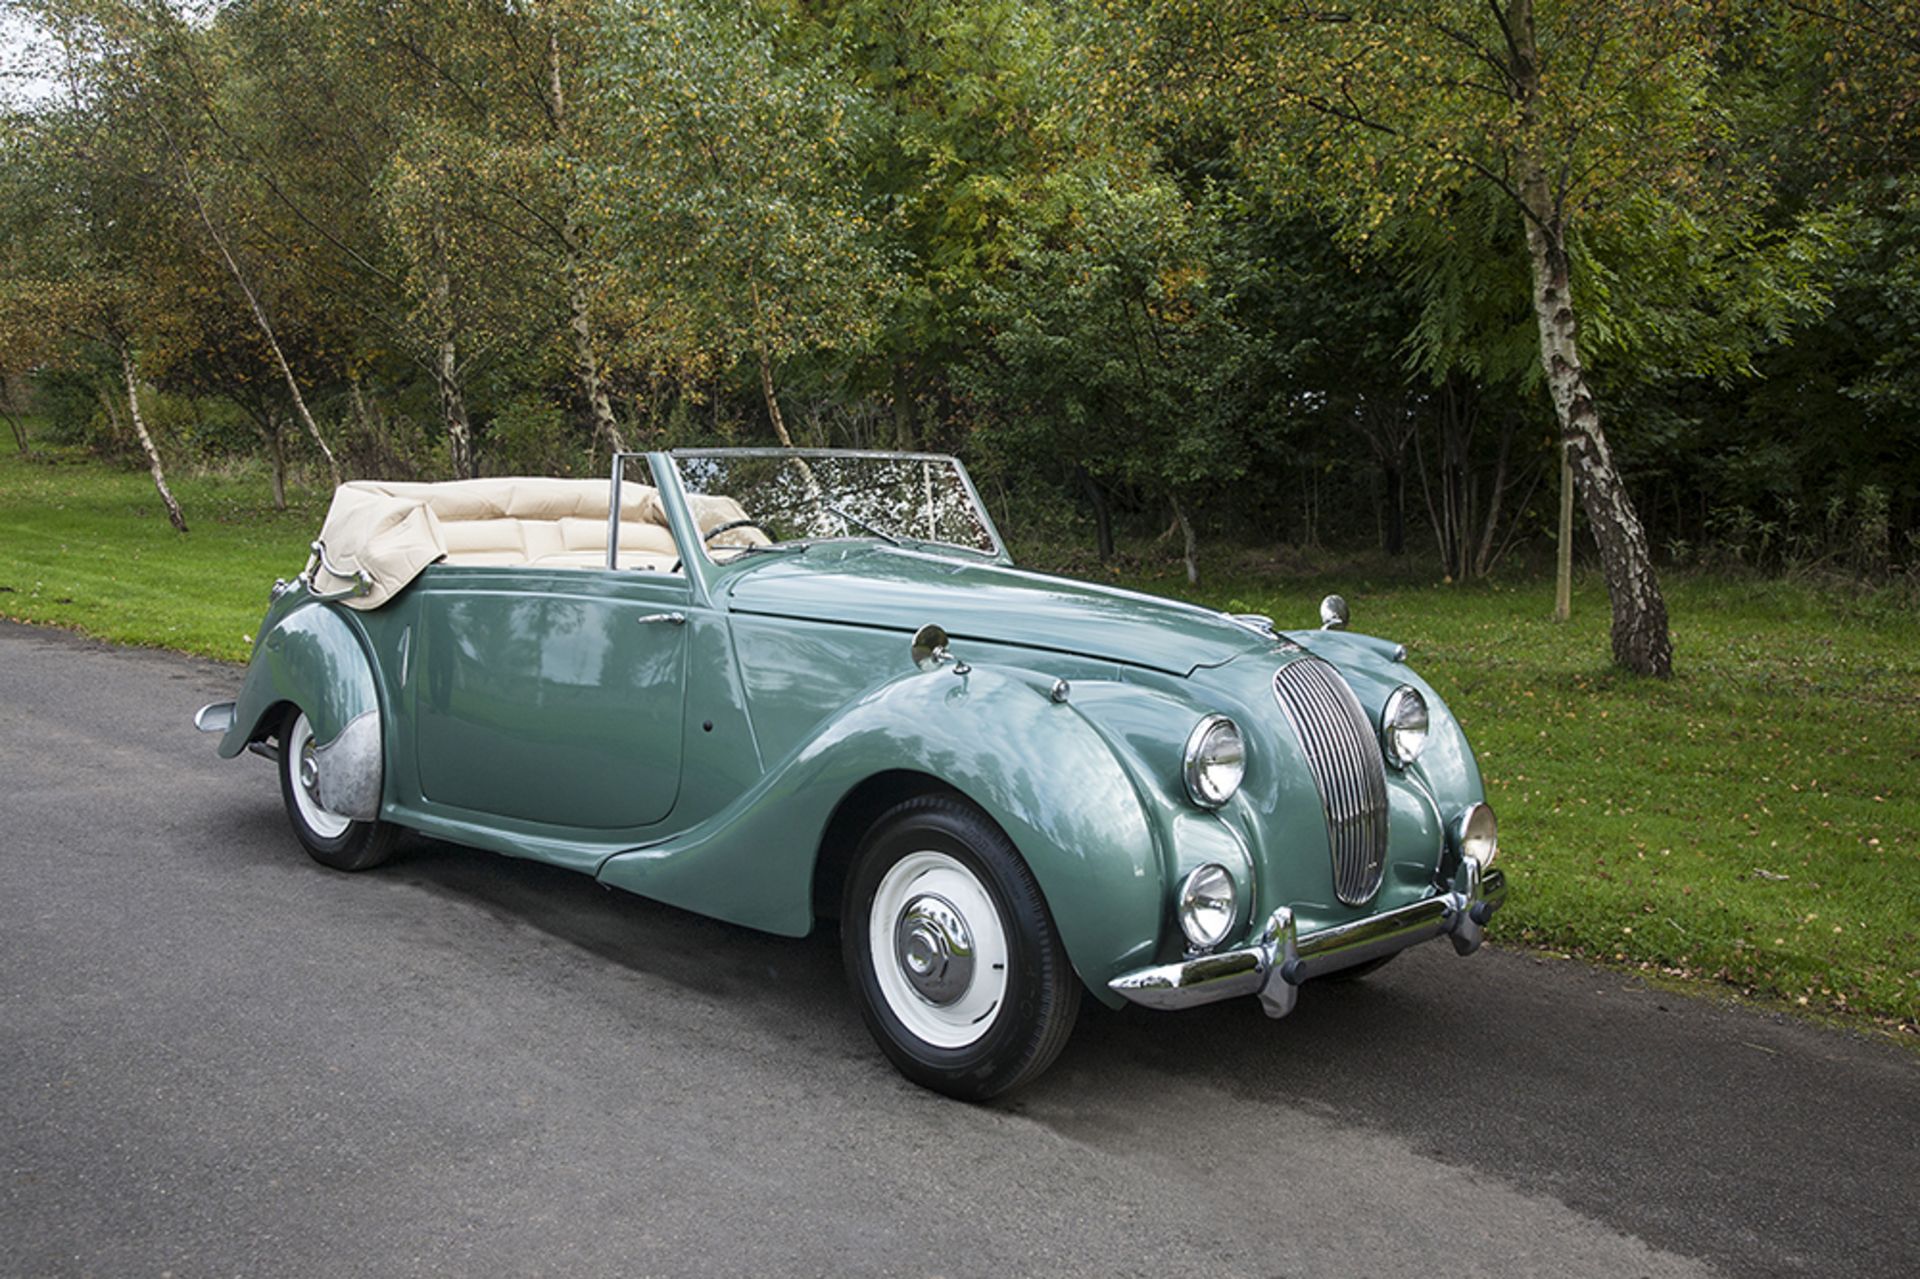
(309, 771)
(935, 949)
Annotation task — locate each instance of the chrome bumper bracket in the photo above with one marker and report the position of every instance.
(214, 717)
(1281, 957)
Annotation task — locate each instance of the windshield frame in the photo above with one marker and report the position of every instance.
(998, 555)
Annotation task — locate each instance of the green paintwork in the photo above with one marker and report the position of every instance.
(310, 657)
(559, 707)
(871, 584)
(533, 713)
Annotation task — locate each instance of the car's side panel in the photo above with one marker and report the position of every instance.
(1032, 764)
(550, 705)
(312, 657)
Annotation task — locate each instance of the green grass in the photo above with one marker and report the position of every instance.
(88, 546)
(1753, 822)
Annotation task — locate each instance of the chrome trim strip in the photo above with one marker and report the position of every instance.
(1282, 957)
(613, 512)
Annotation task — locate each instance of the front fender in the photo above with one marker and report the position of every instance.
(1032, 764)
(312, 657)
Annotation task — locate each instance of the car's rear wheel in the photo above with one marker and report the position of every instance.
(330, 838)
(961, 976)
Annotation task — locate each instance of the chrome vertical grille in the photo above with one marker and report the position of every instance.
(1344, 753)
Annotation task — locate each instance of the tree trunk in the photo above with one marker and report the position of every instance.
(1484, 556)
(453, 411)
(277, 454)
(446, 367)
(1192, 547)
(1395, 474)
(146, 441)
(1102, 515)
(370, 424)
(273, 344)
(1641, 642)
(10, 409)
(906, 423)
(19, 429)
(586, 360)
(773, 401)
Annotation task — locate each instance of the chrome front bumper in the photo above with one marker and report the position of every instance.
(1274, 966)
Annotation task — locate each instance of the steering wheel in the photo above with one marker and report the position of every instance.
(730, 525)
(718, 529)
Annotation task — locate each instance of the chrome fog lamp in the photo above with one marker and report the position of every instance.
(1216, 761)
(1403, 726)
(1208, 903)
(1477, 834)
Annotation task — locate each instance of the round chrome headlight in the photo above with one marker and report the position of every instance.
(1208, 903)
(1479, 834)
(1403, 726)
(1216, 761)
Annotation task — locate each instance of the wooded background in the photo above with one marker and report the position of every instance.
(1333, 275)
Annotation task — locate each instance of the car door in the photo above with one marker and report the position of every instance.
(553, 697)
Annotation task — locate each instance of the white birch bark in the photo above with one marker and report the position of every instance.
(132, 379)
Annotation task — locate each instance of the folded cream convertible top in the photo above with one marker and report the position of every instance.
(392, 532)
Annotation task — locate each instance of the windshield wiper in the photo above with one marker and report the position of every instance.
(882, 534)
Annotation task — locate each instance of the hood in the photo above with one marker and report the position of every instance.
(867, 584)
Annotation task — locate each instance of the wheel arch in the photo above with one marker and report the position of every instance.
(311, 658)
(853, 817)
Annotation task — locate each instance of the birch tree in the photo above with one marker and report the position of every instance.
(1585, 117)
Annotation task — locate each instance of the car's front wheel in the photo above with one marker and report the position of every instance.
(329, 837)
(961, 976)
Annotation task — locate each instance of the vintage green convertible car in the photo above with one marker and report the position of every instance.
(781, 687)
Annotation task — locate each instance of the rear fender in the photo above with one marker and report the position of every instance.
(1032, 764)
(313, 658)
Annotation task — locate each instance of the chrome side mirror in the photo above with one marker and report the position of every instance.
(1333, 613)
(930, 650)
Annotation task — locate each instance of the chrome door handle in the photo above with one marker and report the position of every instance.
(672, 619)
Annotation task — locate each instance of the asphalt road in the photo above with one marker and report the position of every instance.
(218, 1058)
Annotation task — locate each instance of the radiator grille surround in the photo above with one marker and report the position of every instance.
(1343, 753)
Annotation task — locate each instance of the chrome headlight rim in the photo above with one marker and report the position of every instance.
(1195, 767)
(1208, 906)
(1476, 834)
(1403, 742)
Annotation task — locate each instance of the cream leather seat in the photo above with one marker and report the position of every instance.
(392, 532)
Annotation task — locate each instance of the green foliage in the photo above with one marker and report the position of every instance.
(1112, 250)
(1114, 342)
(728, 180)
(528, 437)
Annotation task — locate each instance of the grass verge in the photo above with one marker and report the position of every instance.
(88, 546)
(1753, 822)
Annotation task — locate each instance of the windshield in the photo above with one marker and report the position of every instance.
(801, 496)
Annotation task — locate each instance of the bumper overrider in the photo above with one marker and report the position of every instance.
(1282, 957)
